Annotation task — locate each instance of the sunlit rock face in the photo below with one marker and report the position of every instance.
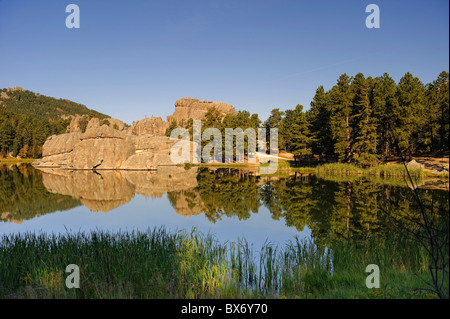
(153, 126)
(112, 146)
(187, 108)
(105, 148)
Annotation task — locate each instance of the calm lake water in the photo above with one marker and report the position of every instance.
(229, 203)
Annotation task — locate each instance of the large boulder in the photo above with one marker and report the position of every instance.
(105, 148)
(99, 148)
(57, 150)
(60, 144)
(102, 148)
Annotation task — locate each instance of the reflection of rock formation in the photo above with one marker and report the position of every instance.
(106, 190)
(98, 191)
(187, 203)
(23, 196)
(7, 216)
(166, 179)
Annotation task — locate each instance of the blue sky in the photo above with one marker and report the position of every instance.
(132, 59)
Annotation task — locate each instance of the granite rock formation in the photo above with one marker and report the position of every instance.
(195, 109)
(109, 144)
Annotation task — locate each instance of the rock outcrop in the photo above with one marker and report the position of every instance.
(100, 148)
(195, 109)
(108, 145)
(153, 126)
(105, 148)
(80, 123)
(427, 167)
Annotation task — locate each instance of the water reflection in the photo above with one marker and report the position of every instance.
(107, 190)
(23, 195)
(331, 207)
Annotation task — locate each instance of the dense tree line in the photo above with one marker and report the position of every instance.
(365, 120)
(214, 119)
(359, 120)
(23, 135)
(28, 119)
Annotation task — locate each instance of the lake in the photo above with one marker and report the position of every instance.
(229, 203)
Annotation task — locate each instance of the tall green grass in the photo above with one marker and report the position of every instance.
(339, 169)
(394, 170)
(159, 264)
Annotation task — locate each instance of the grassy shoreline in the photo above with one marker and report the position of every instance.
(159, 264)
(17, 160)
(383, 170)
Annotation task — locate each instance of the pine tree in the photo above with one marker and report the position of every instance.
(384, 99)
(7, 135)
(319, 115)
(409, 114)
(341, 96)
(275, 121)
(365, 130)
(296, 132)
(437, 96)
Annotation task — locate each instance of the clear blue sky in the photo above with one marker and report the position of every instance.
(134, 58)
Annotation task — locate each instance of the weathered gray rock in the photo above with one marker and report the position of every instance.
(101, 153)
(100, 148)
(436, 169)
(106, 148)
(60, 144)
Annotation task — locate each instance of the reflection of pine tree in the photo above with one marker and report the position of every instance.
(365, 208)
(323, 194)
(233, 194)
(340, 223)
(271, 193)
(297, 203)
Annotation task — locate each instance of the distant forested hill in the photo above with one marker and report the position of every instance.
(28, 118)
(44, 107)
